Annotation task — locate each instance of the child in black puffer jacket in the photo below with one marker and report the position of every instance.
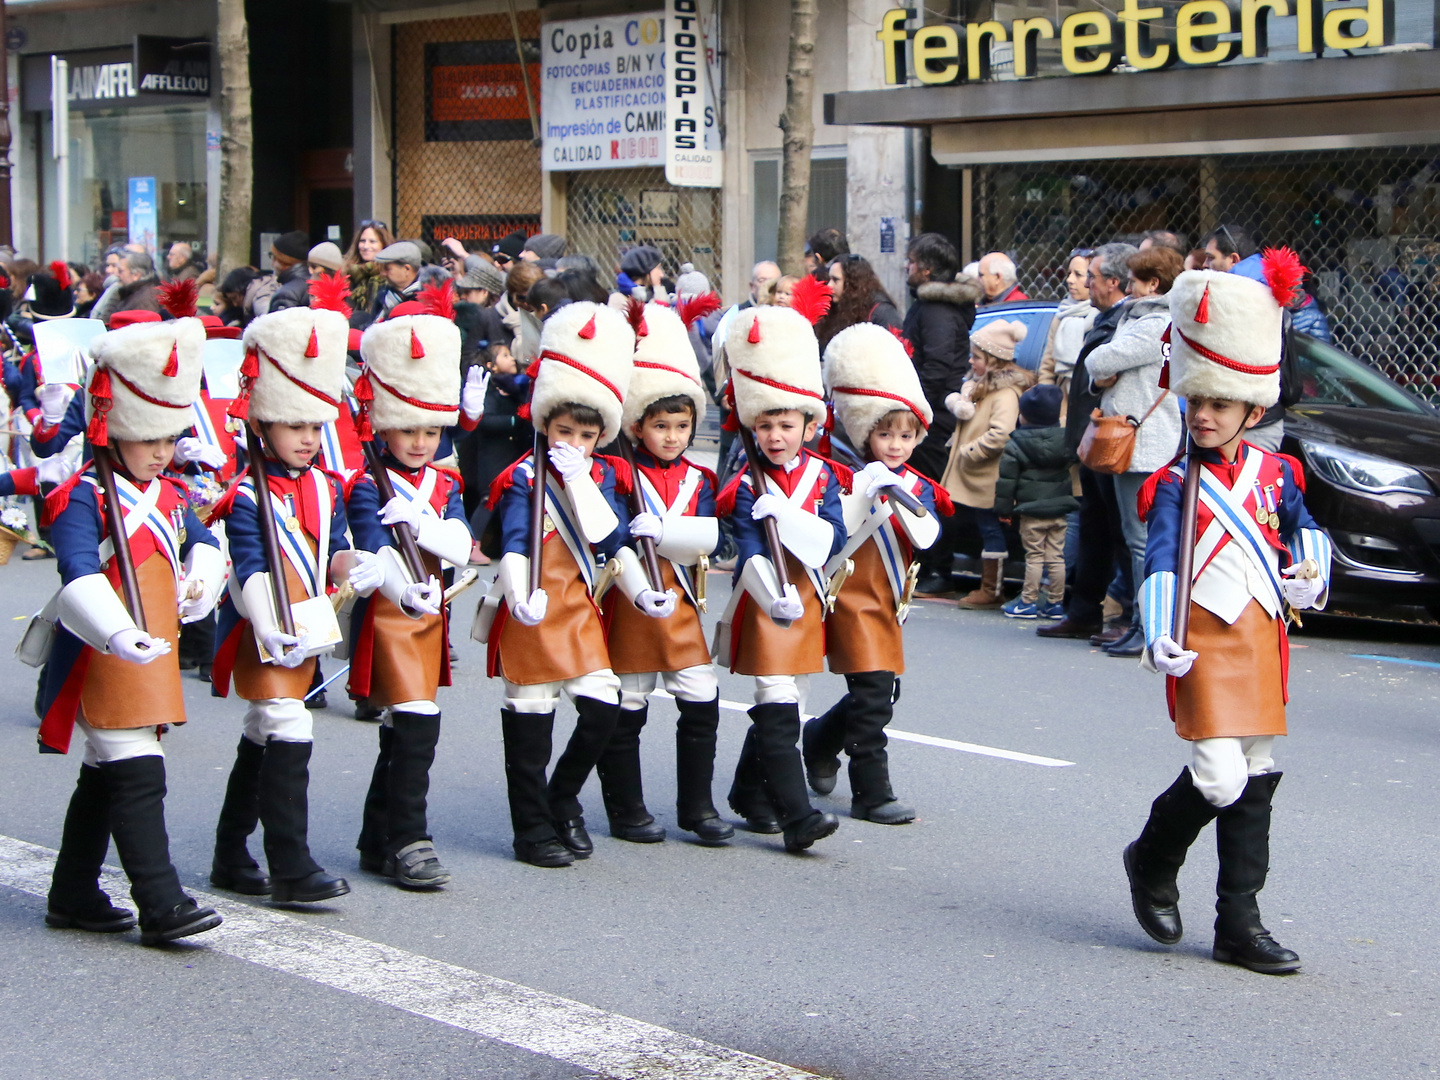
(1035, 483)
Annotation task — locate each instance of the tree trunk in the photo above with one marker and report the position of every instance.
(236, 137)
(798, 124)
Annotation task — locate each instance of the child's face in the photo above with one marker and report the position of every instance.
(145, 460)
(780, 435)
(567, 429)
(979, 364)
(502, 362)
(1216, 423)
(893, 445)
(412, 447)
(665, 435)
(294, 444)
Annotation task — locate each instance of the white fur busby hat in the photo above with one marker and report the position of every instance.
(665, 363)
(586, 353)
(298, 365)
(868, 373)
(146, 376)
(1225, 331)
(412, 368)
(774, 355)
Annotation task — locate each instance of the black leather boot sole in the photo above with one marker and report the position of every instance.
(549, 854)
(650, 832)
(1161, 922)
(310, 889)
(245, 880)
(759, 821)
(573, 835)
(1261, 954)
(183, 920)
(712, 831)
(815, 827)
(113, 921)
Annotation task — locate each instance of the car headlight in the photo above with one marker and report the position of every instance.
(1364, 472)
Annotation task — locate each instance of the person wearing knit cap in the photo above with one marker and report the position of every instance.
(771, 632)
(409, 392)
(1258, 557)
(325, 256)
(288, 254)
(292, 382)
(508, 250)
(641, 271)
(878, 401)
(662, 405)
(988, 408)
(111, 669)
(543, 246)
(550, 640)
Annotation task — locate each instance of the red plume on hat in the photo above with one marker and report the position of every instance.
(180, 298)
(906, 343)
(635, 316)
(1283, 273)
(439, 299)
(694, 308)
(329, 292)
(811, 298)
(61, 273)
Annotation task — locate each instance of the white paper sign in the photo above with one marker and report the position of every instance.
(222, 359)
(693, 156)
(602, 93)
(63, 348)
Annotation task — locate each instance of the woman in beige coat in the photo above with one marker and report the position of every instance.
(988, 408)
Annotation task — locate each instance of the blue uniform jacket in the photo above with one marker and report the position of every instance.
(514, 506)
(750, 534)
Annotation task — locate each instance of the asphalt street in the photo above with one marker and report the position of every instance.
(990, 939)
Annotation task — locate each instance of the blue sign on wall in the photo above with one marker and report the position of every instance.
(143, 219)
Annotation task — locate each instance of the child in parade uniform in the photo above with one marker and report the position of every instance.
(118, 683)
(551, 640)
(292, 379)
(1258, 555)
(773, 634)
(662, 406)
(878, 402)
(408, 393)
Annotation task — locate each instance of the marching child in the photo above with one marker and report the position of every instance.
(665, 400)
(772, 632)
(549, 640)
(1258, 556)
(293, 377)
(118, 682)
(408, 393)
(878, 402)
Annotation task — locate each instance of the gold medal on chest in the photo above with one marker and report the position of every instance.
(549, 525)
(293, 525)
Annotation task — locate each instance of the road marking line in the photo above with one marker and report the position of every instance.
(1395, 660)
(926, 740)
(556, 1027)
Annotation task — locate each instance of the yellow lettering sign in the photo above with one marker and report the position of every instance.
(1307, 27)
(978, 62)
(1083, 37)
(1137, 37)
(934, 45)
(1255, 24)
(1342, 27)
(892, 40)
(1025, 32)
(1196, 26)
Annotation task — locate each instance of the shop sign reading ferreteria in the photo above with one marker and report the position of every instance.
(1092, 42)
(693, 156)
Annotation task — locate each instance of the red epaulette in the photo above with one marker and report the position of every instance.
(708, 473)
(359, 474)
(624, 475)
(504, 482)
(338, 478)
(59, 499)
(1296, 469)
(1145, 500)
(226, 503)
(725, 501)
(844, 476)
(454, 474)
(179, 486)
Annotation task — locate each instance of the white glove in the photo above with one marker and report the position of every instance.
(54, 400)
(191, 449)
(788, 607)
(55, 469)
(658, 605)
(768, 505)
(1170, 658)
(472, 395)
(646, 525)
(367, 573)
(569, 461)
(1300, 592)
(425, 598)
(400, 509)
(194, 608)
(880, 478)
(530, 612)
(276, 642)
(136, 646)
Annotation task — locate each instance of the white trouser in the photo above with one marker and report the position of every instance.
(696, 683)
(118, 744)
(541, 698)
(284, 719)
(782, 690)
(419, 708)
(1220, 768)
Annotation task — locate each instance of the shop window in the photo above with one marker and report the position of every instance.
(827, 201)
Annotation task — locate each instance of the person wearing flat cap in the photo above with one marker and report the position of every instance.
(400, 263)
(289, 254)
(481, 326)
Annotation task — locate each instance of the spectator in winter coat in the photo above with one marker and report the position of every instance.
(823, 248)
(400, 263)
(640, 273)
(325, 258)
(288, 254)
(137, 284)
(997, 275)
(180, 262)
(856, 297)
(364, 272)
(937, 325)
(1067, 329)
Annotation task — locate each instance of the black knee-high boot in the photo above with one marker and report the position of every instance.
(136, 787)
(621, 784)
(777, 738)
(748, 796)
(374, 825)
(695, 770)
(76, 900)
(822, 740)
(410, 853)
(1153, 861)
(1242, 837)
(528, 738)
(594, 725)
(233, 867)
(285, 813)
(870, 708)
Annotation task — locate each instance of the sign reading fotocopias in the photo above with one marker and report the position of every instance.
(1197, 33)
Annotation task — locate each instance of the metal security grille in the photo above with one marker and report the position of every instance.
(611, 210)
(1367, 223)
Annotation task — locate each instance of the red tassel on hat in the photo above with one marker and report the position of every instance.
(313, 349)
(363, 430)
(98, 431)
(1164, 380)
(1202, 310)
(172, 365)
(363, 391)
(588, 330)
(417, 351)
(250, 366)
(240, 408)
(754, 337)
(523, 412)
